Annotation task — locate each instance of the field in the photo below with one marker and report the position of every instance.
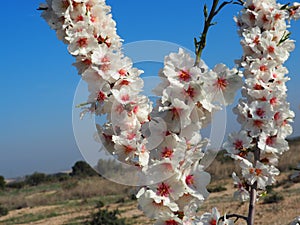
(72, 200)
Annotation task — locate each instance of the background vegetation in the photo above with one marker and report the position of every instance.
(84, 197)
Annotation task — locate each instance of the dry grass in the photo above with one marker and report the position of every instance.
(91, 187)
(48, 194)
(291, 158)
(76, 211)
(223, 167)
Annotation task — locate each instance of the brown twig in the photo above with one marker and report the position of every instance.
(237, 216)
(253, 192)
(200, 45)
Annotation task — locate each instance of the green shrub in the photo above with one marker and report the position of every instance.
(2, 183)
(218, 188)
(99, 204)
(16, 184)
(272, 197)
(82, 169)
(58, 177)
(132, 197)
(35, 179)
(120, 200)
(3, 211)
(105, 217)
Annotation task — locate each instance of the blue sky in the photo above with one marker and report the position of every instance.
(38, 80)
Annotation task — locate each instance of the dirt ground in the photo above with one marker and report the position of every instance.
(281, 213)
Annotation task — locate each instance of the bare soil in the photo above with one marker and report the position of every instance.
(281, 213)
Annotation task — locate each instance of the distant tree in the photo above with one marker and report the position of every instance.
(2, 183)
(16, 184)
(35, 179)
(82, 169)
(58, 177)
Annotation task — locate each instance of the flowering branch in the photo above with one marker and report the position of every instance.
(293, 11)
(253, 191)
(200, 45)
(263, 111)
(168, 135)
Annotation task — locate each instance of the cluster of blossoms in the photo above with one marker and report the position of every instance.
(263, 112)
(294, 11)
(190, 94)
(167, 135)
(114, 85)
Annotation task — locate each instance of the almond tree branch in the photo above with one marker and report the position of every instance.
(253, 192)
(200, 45)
